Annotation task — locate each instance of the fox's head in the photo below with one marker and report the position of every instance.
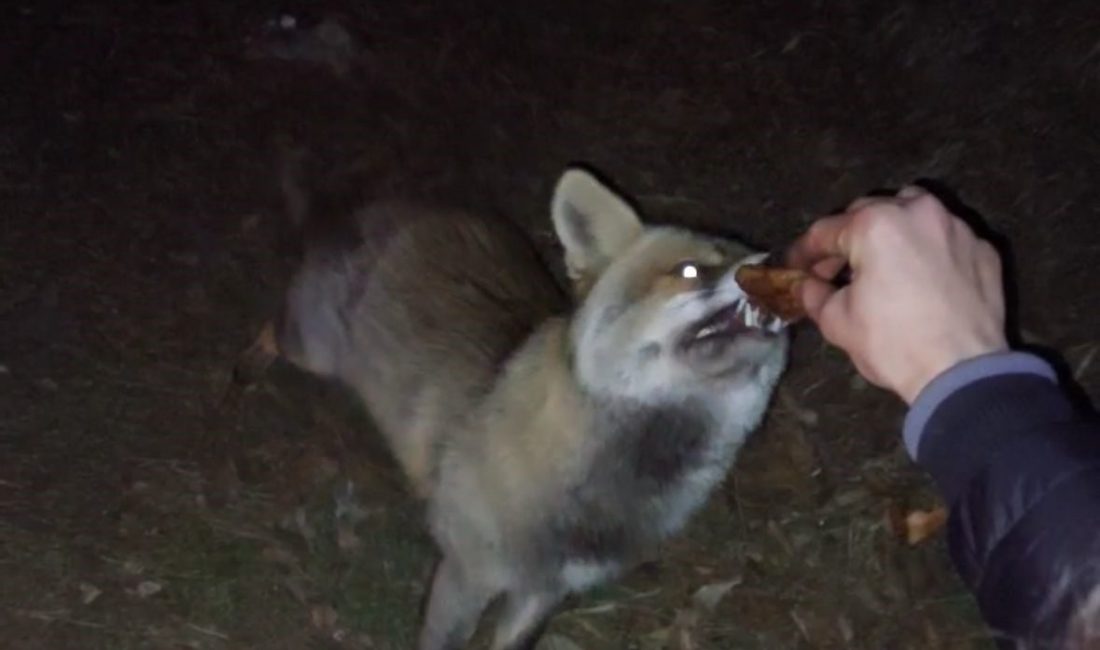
(660, 314)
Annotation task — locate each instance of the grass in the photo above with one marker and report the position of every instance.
(210, 577)
(376, 588)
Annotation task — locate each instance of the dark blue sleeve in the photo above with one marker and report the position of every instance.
(1019, 468)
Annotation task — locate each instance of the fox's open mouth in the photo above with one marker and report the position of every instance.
(731, 321)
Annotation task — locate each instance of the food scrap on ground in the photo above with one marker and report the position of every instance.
(916, 526)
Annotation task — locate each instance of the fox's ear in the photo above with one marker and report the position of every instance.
(593, 223)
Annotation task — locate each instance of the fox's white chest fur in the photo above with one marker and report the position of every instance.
(555, 448)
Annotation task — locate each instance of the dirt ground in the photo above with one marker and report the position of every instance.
(141, 247)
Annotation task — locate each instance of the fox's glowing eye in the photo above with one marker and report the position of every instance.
(688, 270)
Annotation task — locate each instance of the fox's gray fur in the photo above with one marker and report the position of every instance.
(555, 445)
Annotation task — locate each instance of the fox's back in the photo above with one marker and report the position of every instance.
(418, 311)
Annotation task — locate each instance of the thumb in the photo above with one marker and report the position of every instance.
(827, 307)
(814, 293)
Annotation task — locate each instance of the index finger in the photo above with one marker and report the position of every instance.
(827, 237)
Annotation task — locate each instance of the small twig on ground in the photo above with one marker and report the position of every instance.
(740, 509)
(208, 631)
(1086, 361)
(801, 625)
(59, 617)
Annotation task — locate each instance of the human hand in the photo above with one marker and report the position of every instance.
(925, 294)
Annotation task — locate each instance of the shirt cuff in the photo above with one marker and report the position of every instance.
(960, 375)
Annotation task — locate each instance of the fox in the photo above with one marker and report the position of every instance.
(556, 431)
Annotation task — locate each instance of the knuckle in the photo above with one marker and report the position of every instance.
(935, 219)
(818, 236)
(878, 223)
(861, 203)
(927, 201)
(818, 229)
(988, 255)
(866, 214)
(911, 192)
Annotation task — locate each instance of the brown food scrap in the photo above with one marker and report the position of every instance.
(917, 525)
(253, 363)
(774, 290)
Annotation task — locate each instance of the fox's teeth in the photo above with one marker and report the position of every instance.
(747, 315)
(744, 313)
(707, 331)
(752, 317)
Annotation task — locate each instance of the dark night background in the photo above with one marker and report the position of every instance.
(141, 246)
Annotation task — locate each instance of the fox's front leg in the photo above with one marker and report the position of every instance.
(524, 619)
(454, 607)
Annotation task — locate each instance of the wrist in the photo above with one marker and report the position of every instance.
(961, 375)
(934, 364)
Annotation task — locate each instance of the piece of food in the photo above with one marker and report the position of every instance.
(917, 525)
(774, 290)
